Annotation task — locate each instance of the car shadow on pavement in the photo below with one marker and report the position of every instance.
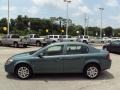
(63, 77)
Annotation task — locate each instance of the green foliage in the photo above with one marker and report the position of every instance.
(24, 25)
(108, 31)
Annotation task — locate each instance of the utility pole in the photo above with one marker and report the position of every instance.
(85, 24)
(8, 22)
(101, 13)
(67, 1)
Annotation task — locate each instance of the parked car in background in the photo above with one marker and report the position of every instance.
(101, 40)
(113, 46)
(62, 57)
(83, 38)
(67, 38)
(106, 40)
(13, 40)
(52, 38)
(34, 39)
(114, 39)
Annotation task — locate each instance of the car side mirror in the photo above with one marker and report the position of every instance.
(41, 55)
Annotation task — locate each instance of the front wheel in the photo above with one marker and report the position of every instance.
(23, 71)
(91, 71)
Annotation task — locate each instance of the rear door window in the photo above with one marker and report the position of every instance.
(76, 49)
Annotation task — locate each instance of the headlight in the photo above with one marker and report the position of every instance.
(8, 61)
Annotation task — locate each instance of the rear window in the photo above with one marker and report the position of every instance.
(77, 49)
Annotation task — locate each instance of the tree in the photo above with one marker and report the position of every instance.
(108, 31)
(94, 31)
(3, 23)
(19, 23)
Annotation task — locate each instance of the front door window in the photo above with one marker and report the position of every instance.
(54, 50)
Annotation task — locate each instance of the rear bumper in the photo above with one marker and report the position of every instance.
(106, 65)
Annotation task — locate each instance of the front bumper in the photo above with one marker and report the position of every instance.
(9, 68)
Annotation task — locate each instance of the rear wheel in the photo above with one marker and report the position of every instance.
(16, 45)
(38, 44)
(0, 43)
(53, 41)
(85, 42)
(25, 46)
(91, 71)
(23, 71)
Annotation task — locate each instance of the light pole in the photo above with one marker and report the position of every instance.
(67, 1)
(101, 12)
(85, 24)
(8, 26)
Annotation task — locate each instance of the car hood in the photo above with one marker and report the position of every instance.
(22, 56)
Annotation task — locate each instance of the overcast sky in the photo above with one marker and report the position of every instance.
(77, 10)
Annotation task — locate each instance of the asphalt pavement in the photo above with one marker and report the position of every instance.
(108, 80)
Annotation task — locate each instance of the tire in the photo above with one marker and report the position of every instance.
(38, 43)
(25, 46)
(85, 42)
(91, 71)
(23, 71)
(0, 43)
(53, 41)
(16, 45)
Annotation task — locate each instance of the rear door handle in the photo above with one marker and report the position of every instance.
(58, 60)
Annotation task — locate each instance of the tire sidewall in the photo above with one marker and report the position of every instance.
(16, 45)
(0, 43)
(17, 68)
(87, 67)
(38, 43)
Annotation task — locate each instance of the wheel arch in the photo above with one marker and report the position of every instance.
(22, 63)
(93, 62)
(38, 41)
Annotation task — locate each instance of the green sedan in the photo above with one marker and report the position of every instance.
(62, 57)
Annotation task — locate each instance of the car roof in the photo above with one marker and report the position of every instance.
(78, 43)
